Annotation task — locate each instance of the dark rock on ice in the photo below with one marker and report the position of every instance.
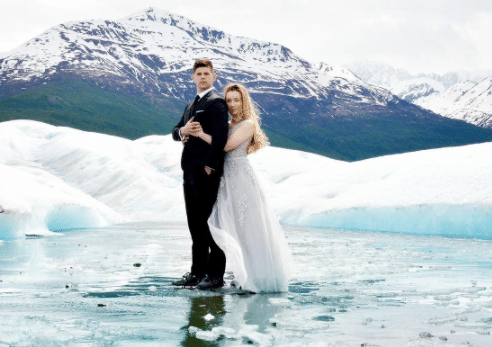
(325, 318)
(425, 335)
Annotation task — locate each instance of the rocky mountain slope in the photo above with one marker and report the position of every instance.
(100, 75)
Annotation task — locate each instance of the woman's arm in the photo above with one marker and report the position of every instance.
(242, 134)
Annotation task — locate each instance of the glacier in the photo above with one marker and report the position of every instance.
(109, 282)
(58, 178)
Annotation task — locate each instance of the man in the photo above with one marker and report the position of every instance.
(202, 166)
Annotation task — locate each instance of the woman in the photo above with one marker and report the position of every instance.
(242, 223)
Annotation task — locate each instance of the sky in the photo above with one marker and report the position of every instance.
(417, 35)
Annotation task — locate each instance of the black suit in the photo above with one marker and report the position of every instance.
(200, 189)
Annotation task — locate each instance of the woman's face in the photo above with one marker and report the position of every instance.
(233, 100)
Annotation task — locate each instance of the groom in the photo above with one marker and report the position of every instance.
(202, 166)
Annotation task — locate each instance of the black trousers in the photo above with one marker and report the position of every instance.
(200, 191)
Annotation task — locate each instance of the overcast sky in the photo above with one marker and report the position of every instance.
(418, 35)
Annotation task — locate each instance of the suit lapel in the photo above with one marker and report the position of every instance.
(191, 111)
(200, 104)
(188, 113)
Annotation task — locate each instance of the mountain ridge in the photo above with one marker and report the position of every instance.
(146, 59)
(433, 91)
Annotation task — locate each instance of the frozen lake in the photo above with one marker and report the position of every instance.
(112, 287)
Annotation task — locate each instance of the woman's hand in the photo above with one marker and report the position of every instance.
(185, 131)
(196, 129)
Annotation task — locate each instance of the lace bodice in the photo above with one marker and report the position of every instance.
(240, 151)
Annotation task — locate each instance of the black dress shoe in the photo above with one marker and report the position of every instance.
(210, 283)
(188, 279)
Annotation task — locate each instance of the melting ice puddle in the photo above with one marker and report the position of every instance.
(112, 286)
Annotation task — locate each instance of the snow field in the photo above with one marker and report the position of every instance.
(56, 178)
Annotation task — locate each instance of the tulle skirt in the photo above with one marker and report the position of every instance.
(245, 227)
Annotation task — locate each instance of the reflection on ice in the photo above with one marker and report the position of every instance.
(112, 286)
(206, 314)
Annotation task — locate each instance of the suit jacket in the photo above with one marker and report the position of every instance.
(211, 112)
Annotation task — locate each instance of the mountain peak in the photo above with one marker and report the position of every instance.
(154, 14)
(143, 48)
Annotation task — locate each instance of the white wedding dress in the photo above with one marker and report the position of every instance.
(245, 227)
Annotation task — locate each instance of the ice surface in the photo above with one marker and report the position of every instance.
(112, 287)
(56, 178)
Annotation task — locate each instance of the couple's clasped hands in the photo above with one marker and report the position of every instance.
(191, 128)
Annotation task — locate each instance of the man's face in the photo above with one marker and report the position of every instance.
(203, 77)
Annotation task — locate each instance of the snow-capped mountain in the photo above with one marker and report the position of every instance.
(389, 77)
(469, 101)
(417, 88)
(459, 95)
(379, 74)
(155, 49)
(125, 77)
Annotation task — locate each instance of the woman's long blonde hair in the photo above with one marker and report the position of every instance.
(248, 111)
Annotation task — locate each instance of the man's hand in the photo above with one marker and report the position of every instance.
(186, 130)
(208, 170)
(184, 139)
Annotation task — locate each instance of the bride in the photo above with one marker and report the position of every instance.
(242, 223)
